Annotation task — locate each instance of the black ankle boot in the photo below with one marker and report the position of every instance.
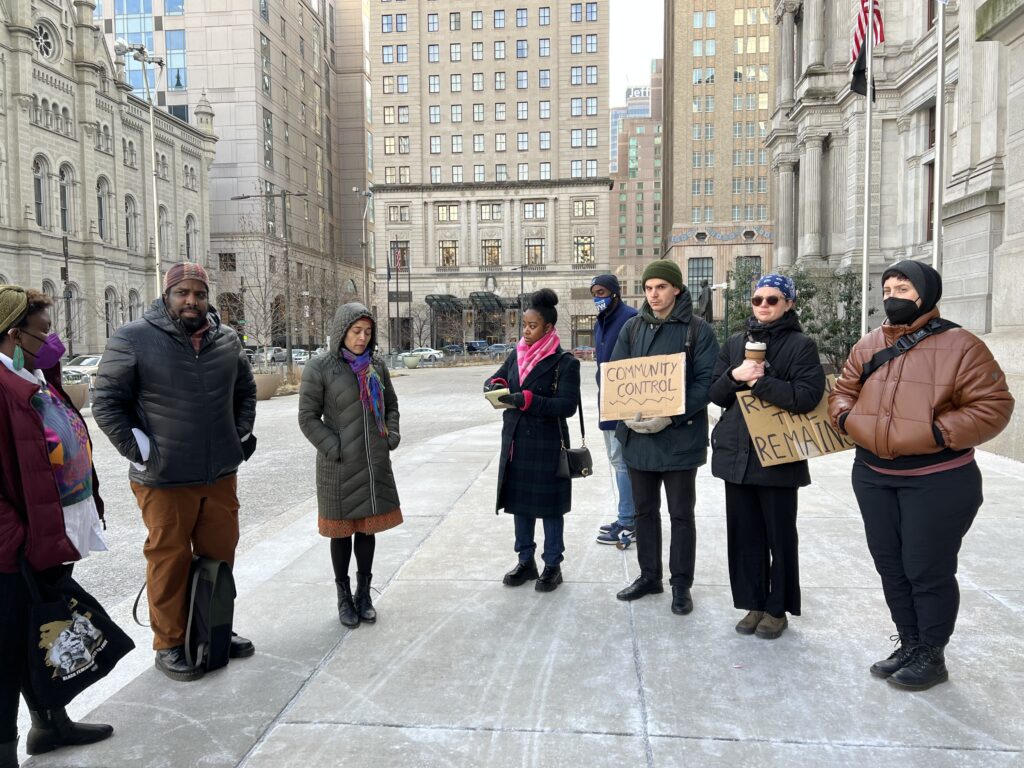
(52, 728)
(925, 668)
(900, 656)
(347, 613)
(9, 754)
(364, 606)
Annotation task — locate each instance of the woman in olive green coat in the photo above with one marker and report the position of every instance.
(349, 412)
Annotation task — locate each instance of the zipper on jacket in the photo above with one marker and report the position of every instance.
(369, 464)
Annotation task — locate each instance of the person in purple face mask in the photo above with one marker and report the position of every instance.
(50, 511)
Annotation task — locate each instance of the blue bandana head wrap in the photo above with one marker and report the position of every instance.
(783, 283)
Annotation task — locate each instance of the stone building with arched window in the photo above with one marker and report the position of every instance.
(75, 165)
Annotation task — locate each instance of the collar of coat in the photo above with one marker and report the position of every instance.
(159, 316)
(893, 332)
(543, 367)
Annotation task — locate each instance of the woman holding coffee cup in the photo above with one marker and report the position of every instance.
(774, 360)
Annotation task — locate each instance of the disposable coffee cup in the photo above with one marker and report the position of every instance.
(755, 350)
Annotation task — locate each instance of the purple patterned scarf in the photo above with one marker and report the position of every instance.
(371, 389)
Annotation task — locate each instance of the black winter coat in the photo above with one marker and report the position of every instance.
(684, 444)
(793, 380)
(531, 440)
(195, 408)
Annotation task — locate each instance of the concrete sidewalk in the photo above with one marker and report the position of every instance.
(462, 671)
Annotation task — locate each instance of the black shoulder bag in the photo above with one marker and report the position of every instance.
(573, 462)
(904, 344)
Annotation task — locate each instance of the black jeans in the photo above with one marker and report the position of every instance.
(764, 569)
(554, 542)
(680, 489)
(914, 528)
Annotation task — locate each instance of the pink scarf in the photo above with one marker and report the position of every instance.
(528, 355)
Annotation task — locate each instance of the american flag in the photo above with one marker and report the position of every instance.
(860, 29)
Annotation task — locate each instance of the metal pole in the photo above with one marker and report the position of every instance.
(940, 136)
(287, 285)
(366, 274)
(67, 301)
(865, 273)
(152, 155)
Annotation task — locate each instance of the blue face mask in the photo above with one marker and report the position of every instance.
(602, 303)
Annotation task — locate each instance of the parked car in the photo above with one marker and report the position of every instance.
(426, 353)
(583, 353)
(83, 366)
(476, 347)
(499, 351)
(299, 355)
(272, 355)
(453, 349)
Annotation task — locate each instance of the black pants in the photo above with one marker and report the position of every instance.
(680, 488)
(764, 569)
(914, 527)
(14, 605)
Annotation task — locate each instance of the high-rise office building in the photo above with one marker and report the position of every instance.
(719, 87)
(637, 104)
(489, 149)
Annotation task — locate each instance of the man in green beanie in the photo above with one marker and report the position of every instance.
(667, 450)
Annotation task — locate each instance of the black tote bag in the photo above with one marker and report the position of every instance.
(72, 642)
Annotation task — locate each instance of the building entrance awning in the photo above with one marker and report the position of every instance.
(444, 303)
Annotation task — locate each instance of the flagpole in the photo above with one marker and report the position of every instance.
(940, 135)
(865, 272)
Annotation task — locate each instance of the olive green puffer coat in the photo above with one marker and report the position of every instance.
(353, 464)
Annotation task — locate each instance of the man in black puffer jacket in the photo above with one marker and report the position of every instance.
(176, 397)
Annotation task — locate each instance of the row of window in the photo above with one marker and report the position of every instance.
(42, 201)
(739, 213)
(534, 252)
(399, 54)
(739, 185)
(401, 144)
(578, 107)
(400, 83)
(399, 22)
(448, 212)
(402, 174)
(754, 129)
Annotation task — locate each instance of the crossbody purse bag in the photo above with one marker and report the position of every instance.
(573, 462)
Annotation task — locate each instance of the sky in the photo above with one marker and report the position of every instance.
(636, 38)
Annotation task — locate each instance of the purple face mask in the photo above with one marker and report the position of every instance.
(50, 353)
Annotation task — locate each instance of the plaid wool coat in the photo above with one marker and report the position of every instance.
(531, 439)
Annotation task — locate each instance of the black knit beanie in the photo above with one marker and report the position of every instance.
(926, 281)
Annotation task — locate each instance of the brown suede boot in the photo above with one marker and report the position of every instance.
(770, 627)
(748, 624)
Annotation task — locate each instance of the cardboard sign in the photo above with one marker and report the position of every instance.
(650, 386)
(781, 437)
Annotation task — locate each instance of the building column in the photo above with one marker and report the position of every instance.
(786, 206)
(786, 62)
(430, 247)
(466, 246)
(550, 251)
(507, 254)
(814, 24)
(838, 194)
(810, 173)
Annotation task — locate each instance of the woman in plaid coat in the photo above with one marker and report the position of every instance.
(544, 388)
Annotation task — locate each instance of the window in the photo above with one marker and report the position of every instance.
(522, 49)
(41, 191)
(534, 250)
(490, 212)
(434, 83)
(591, 169)
(523, 171)
(591, 75)
(545, 171)
(576, 107)
(709, 186)
(102, 195)
(501, 172)
(389, 84)
(177, 74)
(584, 208)
(385, 23)
(499, 111)
(433, 112)
(544, 16)
(583, 249)
(544, 78)
(521, 17)
(698, 20)
(695, 187)
(576, 138)
(523, 142)
(499, 81)
(478, 81)
(455, 51)
(522, 80)
(591, 43)
(191, 244)
(709, 20)
(265, 59)
(403, 54)
(697, 271)
(591, 137)
(456, 174)
(478, 113)
(576, 12)
(737, 185)
(544, 47)
(433, 53)
(698, 104)
(403, 116)
(457, 143)
(490, 253)
(545, 140)
(435, 145)
(65, 178)
(499, 19)
(522, 110)
(545, 110)
(268, 138)
(591, 11)
(695, 215)
(478, 51)
(448, 254)
(387, 54)
(478, 173)
(696, 132)
(456, 113)
(478, 142)
(710, 47)
(591, 106)
(478, 20)
(697, 160)
(698, 75)
(456, 83)
(576, 169)
(576, 44)
(499, 49)
(709, 213)
(435, 174)
(455, 21)
(431, 22)
(130, 234)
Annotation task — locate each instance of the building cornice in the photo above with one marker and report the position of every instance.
(508, 187)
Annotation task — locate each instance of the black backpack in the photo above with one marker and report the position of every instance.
(211, 607)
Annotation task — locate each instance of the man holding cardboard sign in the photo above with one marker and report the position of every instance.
(662, 367)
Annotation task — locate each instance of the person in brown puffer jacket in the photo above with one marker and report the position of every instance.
(916, 420)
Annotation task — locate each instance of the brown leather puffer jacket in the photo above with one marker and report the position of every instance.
(949, 380)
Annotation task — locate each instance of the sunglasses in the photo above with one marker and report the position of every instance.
(771, 301)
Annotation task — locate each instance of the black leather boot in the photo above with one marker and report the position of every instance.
(682, 603)
(364, 606)
(925, 668)
(52, 728)
(900, 656)
(9, 754)
(524, 571)
(347, 613)
(174, 663)
(550, 579)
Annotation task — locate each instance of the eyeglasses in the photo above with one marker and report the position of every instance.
(771, 301)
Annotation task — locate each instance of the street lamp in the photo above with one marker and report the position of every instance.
(141, 55)
(284, 195)
(366, 195)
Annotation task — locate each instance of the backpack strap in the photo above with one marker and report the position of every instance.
(691, 336)
(903, 344)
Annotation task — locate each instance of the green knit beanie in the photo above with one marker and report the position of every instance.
(13, 303)
(665, 270)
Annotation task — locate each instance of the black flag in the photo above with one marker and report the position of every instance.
(859, 84)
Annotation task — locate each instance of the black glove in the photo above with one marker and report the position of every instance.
(491, 385)
(515, 399)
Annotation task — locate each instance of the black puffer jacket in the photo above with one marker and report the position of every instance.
(793, 380)
(194, 407)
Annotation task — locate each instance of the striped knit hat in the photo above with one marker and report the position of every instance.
(185, 270)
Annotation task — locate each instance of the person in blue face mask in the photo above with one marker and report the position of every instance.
(612, 314)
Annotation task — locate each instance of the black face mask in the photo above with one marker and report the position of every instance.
(901, 311)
